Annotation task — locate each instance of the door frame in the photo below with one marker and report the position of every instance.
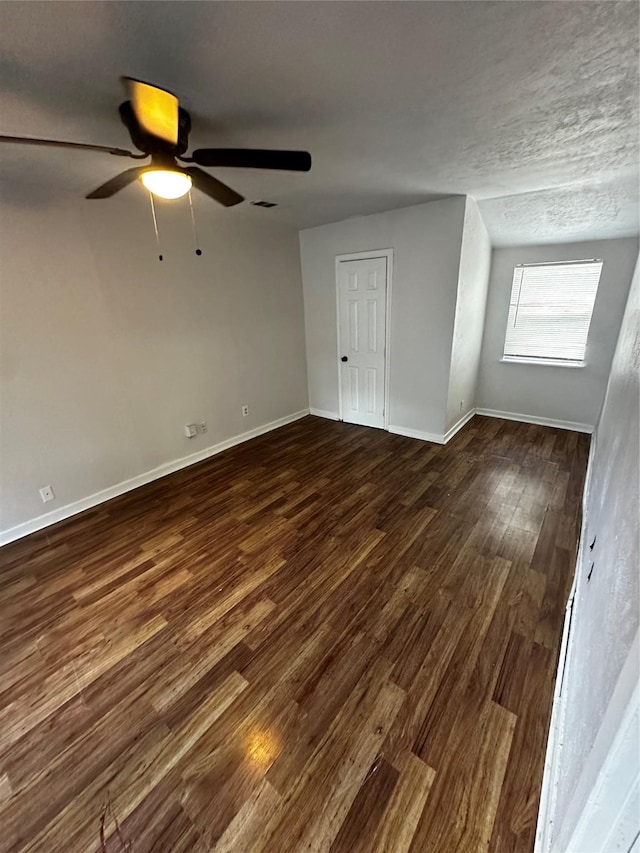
(361, 256)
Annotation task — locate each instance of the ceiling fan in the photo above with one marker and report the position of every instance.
(159, 127)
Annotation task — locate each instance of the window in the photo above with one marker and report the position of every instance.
(550, 312)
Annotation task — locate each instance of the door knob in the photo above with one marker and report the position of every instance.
(344, 358)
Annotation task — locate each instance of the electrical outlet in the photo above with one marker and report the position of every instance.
(203, 426)
(461, 405)
(190, 430)
(245, 411)
(46, 493)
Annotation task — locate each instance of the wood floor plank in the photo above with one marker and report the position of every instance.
(329, 638)
(460, 813)
(5, 788)
(359, 829)
(398, 822)
(248, 822)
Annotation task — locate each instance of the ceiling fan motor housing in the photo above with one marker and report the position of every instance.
(150, 144)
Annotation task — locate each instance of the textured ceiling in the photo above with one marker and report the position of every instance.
(532, 107)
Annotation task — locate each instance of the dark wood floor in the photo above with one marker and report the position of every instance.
(328, 639)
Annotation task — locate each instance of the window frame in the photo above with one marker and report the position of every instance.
(549, 361)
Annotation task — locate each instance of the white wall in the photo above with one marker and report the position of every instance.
(606, 614)
(473, 283)
(426, 240)
(558, 393)
(107, 353)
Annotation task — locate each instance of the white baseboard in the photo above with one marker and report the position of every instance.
(74, 508)
(534, 419)
(396, 430)
(433, 437)
(458, 426)
(322, 413)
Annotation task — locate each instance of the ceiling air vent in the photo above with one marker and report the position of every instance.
(264, 203)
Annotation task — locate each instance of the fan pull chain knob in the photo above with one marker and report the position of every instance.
(193, 223)
(155, 225)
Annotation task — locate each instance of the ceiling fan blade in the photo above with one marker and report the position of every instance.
(116, 184)
(213, 187)
(155, 109)
(56, 143)
(253, 158)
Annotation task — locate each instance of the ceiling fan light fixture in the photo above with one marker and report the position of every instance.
(166, 183)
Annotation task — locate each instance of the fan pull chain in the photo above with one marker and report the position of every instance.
(155, 225)
(193, 222)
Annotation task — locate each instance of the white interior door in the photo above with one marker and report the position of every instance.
(362, 308)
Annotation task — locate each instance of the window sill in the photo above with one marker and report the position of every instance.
(545, 362)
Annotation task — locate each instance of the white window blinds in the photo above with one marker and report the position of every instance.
(550, 311)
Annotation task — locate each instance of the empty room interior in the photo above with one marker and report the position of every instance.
(319, 427)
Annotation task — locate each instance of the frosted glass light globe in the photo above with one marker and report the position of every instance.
(166, 183)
